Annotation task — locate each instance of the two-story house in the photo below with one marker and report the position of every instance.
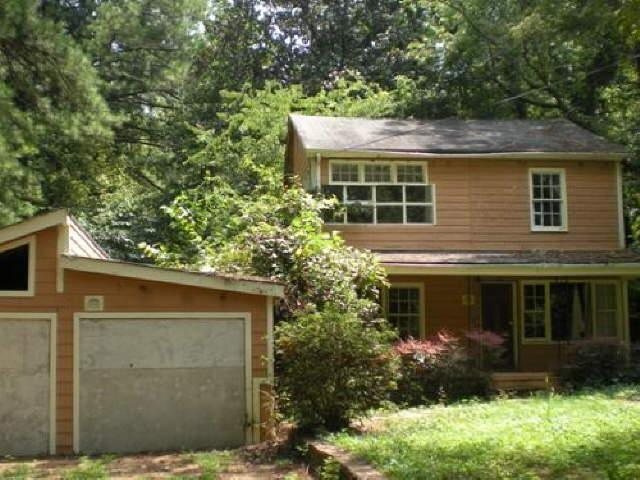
(510, 226)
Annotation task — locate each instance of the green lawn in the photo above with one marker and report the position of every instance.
(582, 436)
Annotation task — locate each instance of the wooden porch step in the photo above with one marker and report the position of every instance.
(523, 381)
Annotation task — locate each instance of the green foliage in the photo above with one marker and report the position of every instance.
(54, 125)
(333, 368)
(242, 219)
(212, 463)
(598, 363)
(330, 469)
(21, 472)
(591, 435)
(89, 469)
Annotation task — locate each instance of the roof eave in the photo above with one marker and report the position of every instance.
(158, 274)
(374, 154)
(515, 269)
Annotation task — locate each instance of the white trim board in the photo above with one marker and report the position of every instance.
(157, 274)
(391, 154)
(246, 317)
(517, 270)
(564, 210)
(31, 274)
(32, 225)
(53, 355)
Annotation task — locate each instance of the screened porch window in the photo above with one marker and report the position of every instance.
(404, 310)
(569, 311)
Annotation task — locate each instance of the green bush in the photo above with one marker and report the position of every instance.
(436, 370)
(595, 363)
(332, 368)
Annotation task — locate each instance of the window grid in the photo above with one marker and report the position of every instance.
(535, 312)
(548, 200)
(403, 310)
(378, 196)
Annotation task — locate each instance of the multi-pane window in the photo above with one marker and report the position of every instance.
(344, 172)
(569, 311)
(404, 310)
(380, 193)
(606, 310)
(548, 200)
(534, 324)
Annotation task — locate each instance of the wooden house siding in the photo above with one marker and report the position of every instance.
(485, 205)
(120, 295)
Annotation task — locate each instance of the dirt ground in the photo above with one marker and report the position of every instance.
(238, 464)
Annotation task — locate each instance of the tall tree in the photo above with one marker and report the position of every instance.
(54, 126)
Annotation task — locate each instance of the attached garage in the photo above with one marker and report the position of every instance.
(27, 394)
(132, 357)
(150, 382)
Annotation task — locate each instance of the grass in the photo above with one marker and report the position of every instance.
(592, 435)
(212, 463)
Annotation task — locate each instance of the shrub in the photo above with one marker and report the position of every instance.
(333, 367)
(438, 369)
(595, 363)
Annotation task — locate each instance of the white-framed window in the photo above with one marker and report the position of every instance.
(548, 193)
(17, 268)
(381, 192)
(404, 309)
(570, 310)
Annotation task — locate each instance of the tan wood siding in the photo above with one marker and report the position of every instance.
(120, 295)
(484, 205)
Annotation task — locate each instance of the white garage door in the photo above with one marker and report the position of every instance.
(153, 384)
(26, 397)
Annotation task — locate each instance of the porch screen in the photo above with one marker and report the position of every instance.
(403, 310)
(568, 311)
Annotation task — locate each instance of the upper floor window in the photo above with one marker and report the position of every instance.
(381, 192)
(16, 269)
(548, 200)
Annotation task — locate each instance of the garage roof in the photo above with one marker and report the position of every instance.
(79, 251)
(449, 136)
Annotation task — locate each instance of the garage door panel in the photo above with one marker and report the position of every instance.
(184, 343)
(24, 386)
(161, 384)
(161, 409)
(24, 345)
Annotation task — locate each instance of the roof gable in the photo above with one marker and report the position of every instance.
(450, 137)
(77, 250)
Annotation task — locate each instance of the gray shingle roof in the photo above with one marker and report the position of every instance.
(538, 257)
(448, 136)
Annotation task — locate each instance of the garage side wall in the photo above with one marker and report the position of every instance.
(120, 295)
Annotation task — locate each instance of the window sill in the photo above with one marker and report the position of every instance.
(549, 230)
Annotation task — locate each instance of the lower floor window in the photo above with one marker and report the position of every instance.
(563, 311)
(404, 310)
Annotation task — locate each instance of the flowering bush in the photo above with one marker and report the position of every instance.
(438, 369)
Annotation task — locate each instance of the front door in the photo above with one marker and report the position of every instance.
(497, 316)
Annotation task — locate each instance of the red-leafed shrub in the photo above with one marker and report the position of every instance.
(438, 369)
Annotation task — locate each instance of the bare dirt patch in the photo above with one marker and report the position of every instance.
(237, 464)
